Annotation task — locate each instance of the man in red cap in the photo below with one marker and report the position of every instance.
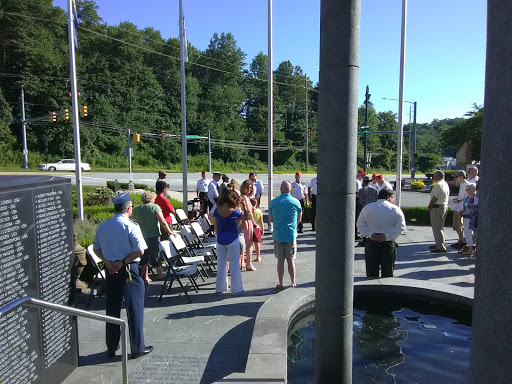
(383, 183)
(373, 182)
(359, 179)
(300, 192)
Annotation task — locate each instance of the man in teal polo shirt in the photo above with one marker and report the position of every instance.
(285, 213)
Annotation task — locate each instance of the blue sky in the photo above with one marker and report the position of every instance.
(445, 51)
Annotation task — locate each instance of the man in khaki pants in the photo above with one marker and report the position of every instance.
(438, 208)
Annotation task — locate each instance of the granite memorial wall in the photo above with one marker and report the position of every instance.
(36, 258)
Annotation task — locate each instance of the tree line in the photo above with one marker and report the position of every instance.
(129, 78)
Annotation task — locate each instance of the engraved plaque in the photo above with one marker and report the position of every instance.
(36, 256)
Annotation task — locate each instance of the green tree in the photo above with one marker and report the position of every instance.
(428, 163)
(466, 131)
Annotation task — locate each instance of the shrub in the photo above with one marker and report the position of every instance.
(101, 196)
(85, 231)
(112, 185)
(449, 175)
(417, 184)
(421, 216)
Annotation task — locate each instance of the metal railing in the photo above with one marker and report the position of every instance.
(40, 304)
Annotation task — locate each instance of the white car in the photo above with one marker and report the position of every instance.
(62, 165)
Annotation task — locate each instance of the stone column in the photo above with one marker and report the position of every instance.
(491, 342)
(337, 141)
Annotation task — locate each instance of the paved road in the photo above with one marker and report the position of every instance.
(409, 199)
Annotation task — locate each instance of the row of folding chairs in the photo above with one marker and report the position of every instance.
(186, 255)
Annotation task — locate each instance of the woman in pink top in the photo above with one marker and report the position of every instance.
(247, 226)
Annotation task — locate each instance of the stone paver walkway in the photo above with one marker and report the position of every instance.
(209, 339)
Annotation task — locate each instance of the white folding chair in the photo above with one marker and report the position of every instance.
(182, 217)
(199, 234)
(207, 226)
(174, 222)
(195, 249)
(99, 273)
(176, 270)
(183, 251)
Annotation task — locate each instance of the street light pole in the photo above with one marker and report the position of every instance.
(413, 162)
(367, 98)
(307, 136)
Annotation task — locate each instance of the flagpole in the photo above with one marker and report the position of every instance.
(398, 185)
(270, 111)
(74, 109)
(183, 111)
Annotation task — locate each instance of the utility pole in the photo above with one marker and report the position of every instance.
(413, 132)
(307, 132)
(24, 129)
(366, 100)
(413, 161)
(183, 48)
(129, 154)
(209, 153)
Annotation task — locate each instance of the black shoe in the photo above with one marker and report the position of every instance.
(300, 231)
(432, 247)
(435, 250)
(111, 354)
(144, 352)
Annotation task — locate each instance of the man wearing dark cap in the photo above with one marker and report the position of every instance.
(120, 244)
(202, 191)
(161, 177)
(213, 189)
(225, 181)
(300, 192)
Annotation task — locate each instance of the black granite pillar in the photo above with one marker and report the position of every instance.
(337, 143)
(491, 343)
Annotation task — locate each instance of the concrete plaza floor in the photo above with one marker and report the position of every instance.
(209, 339)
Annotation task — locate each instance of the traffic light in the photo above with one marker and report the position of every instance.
(136, 138)
(309, 132)
(163, 134)
(83, 111)
(53, 117)
(65, 114)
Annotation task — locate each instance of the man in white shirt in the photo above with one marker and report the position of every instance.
(359, 179)
(438, 208)
(213, 189)
(472, 175)
(202, 190)
(257, 187)
(359, 184)
(381, 223)
(383, 183)
(312, 196)
(373, 182)
(300, 192)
